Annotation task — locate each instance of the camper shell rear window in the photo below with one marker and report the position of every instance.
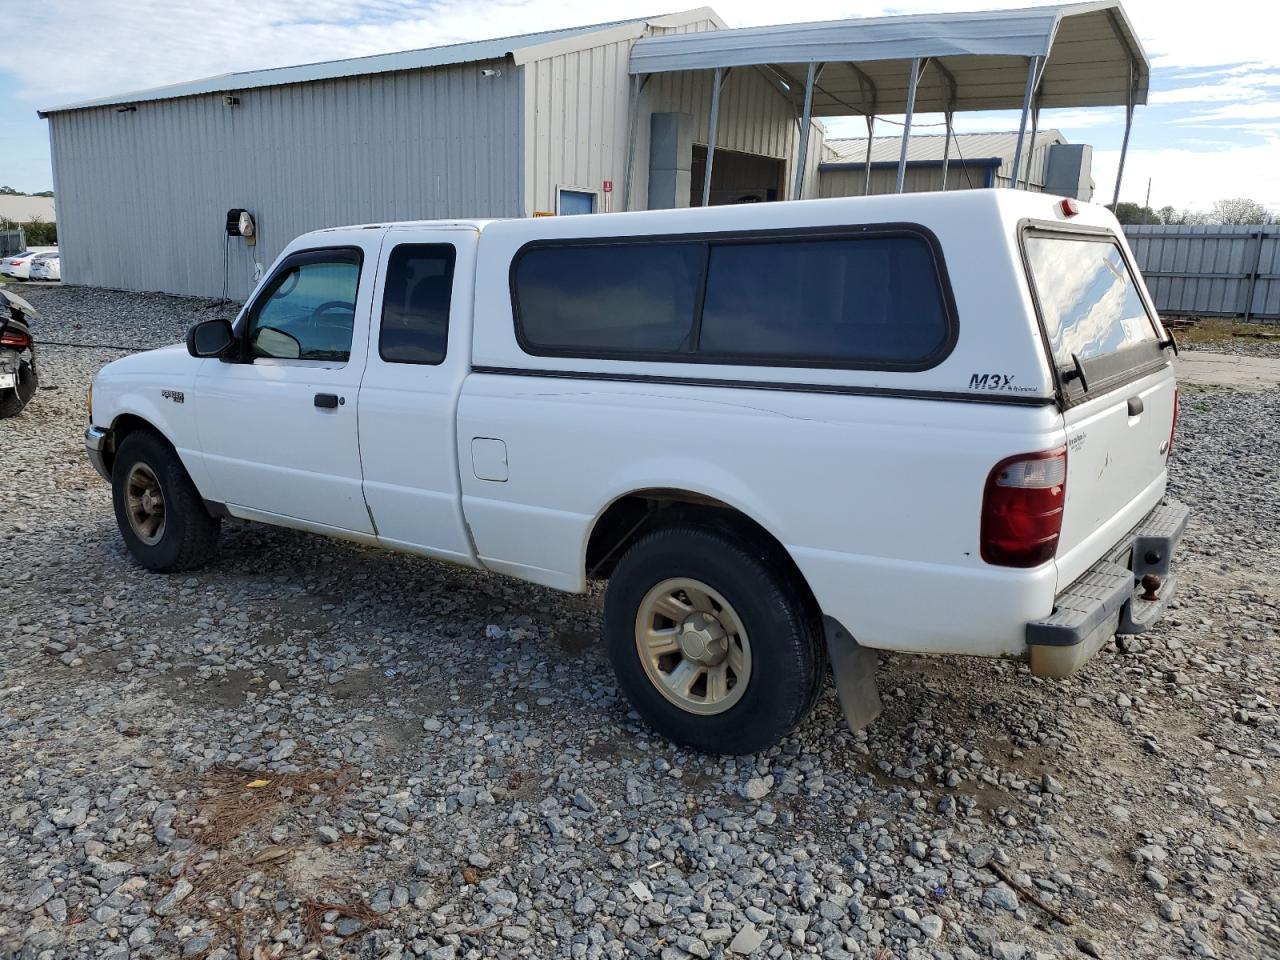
(1097, 326)
(857, 298)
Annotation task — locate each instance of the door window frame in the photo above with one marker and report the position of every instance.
(296, 259)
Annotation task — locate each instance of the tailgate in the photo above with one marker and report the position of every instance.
(1117, 385)
(1117, 448)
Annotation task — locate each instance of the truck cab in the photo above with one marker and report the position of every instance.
(771, 428)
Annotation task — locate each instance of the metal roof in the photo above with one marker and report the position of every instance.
(930, 147)
(1091, 48)
(522, 49)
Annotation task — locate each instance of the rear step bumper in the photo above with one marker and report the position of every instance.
(1108, 599)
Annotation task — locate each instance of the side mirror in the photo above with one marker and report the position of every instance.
(210, 338)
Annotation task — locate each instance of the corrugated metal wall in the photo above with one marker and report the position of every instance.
(143, 195)
(576, 116)
(1210, 270)
(849, 182)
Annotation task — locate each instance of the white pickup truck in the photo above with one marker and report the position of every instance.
(787, 434)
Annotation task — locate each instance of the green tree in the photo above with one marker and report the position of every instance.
(41, 234)
(1132, 213)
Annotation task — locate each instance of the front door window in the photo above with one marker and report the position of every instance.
(308, 310)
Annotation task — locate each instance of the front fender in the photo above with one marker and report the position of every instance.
(127, 389)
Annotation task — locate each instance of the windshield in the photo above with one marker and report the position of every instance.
(1088, 298)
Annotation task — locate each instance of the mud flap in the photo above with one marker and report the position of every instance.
(854, 670)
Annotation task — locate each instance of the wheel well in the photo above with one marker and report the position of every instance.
(121, 427)
(629, 518)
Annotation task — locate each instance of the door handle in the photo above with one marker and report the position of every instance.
(329, 401)
(1135, 406)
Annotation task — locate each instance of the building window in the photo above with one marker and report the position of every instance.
(575, 201)
(415, 303)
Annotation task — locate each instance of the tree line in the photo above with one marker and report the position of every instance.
(1238, 210)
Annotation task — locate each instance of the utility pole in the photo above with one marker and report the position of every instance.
(1148, 203)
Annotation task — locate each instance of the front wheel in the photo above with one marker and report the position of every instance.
(159, 512)
(713, 640)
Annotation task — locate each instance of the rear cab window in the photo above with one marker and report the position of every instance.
(874, 299)
(1099, 330)
(415, 303)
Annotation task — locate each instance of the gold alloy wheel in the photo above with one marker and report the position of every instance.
(144, 504)
(693, 646)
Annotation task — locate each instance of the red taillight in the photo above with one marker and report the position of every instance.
(1022, 508)
(15, 339)
(1173, 426)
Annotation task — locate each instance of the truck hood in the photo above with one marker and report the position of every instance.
(170, 360)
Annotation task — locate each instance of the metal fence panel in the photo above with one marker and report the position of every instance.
(1211, 271)
(12, 241)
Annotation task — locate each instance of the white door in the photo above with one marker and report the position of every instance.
(418, 356)
(278, 429)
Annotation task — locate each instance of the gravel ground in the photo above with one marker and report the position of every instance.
(315, 749)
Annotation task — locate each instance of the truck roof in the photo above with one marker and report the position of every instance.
(878, 208)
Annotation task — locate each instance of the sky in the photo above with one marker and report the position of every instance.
(1210, 130)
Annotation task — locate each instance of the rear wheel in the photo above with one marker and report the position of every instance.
(712, 639)
(160, 515)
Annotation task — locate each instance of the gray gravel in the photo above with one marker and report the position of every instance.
(314, 749)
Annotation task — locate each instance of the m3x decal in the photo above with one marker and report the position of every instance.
(991, 381)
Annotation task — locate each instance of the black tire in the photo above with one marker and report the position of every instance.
(13, 402)
(189, 536)
(778, 614)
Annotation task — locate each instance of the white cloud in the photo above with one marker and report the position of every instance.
(1193, 179)
(109, 46)
(1264, 110)
(1244, 87)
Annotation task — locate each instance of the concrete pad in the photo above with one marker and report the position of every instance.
(1228, 370)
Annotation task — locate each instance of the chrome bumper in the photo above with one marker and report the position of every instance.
(96, 441)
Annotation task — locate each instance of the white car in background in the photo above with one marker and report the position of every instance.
(18, 266)
(45, 266)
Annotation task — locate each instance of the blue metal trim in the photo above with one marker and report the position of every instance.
(978, 164)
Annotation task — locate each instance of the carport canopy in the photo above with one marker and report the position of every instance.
(1070, 55)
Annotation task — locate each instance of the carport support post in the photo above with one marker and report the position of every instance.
(1124, 144)
(906, 126)
(711, 136)
(871, 132)
(637, 87)
(1032, 68)
(1031, 150)
(806, 120)
(946, 148)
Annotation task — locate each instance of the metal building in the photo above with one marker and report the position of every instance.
(499, 128)
(664, 111)
(977, 160)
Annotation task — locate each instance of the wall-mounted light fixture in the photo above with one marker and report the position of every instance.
(129, 109)
(231, 101)
(490, 73)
